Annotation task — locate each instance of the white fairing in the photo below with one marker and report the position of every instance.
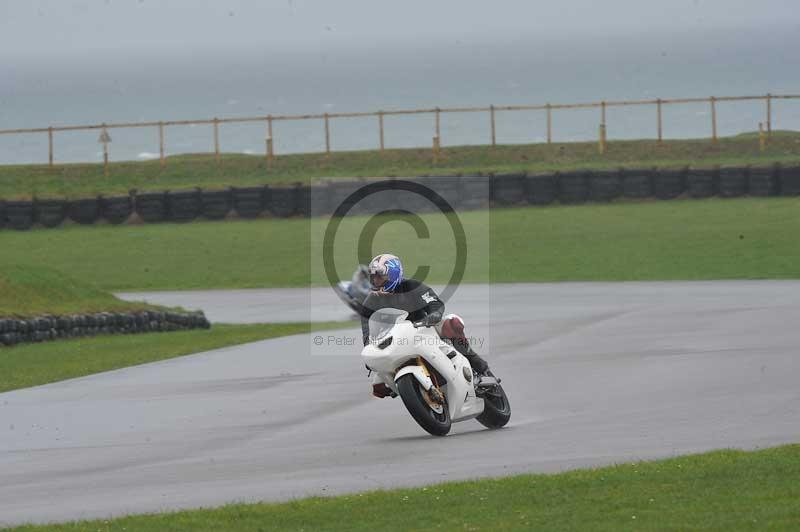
(389, 359)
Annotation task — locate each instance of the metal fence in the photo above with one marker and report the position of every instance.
(492, 111)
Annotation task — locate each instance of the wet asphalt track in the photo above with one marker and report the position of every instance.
(596, 373)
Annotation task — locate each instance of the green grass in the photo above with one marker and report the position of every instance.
(723, 490)
(29, 290)
(680, 239)
(34, 364)
(187, 171)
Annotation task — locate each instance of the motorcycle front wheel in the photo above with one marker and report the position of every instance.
(496, 408)
(436, 423)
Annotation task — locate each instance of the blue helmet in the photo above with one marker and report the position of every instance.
(385, 273)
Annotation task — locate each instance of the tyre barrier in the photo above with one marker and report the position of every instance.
(216, 204)
(116, 209)
(542, 189)
(763, 181)
(669, 184)
(302, 202)
(461, 192)
(19, 215)
(637, 183)
(790, 181)
(84, 211)
(50, 212)
(605, 186)
(449, 188)
(152, 207)
(339, 191)
(184, 206)
(248, 202)
(315, 200)
(44, 328)
(573, 187)
(732, 182)
(508, 189)
(282, 201)
(476, 191)
(701, 183)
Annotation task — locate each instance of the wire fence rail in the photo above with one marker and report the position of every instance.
(492, 110)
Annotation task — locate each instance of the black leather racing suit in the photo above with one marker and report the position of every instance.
(421, 302)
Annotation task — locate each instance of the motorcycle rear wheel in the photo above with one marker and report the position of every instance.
(411, 393)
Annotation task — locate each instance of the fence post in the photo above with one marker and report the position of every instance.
(713, 119)
(161, 144)
(660, 122)
(491, 113)
(105, 138)
(603, 146)
(436, 149)
(438, 122)
(762, 138)
(603, 113)
(327, 135)
(270, 153)
(380, 128)
(50, 146)
(549, 124)
(216, 140)
(769, 115)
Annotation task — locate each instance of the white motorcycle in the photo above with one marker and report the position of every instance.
(435, 382)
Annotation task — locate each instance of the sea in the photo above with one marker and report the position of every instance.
(180, 84)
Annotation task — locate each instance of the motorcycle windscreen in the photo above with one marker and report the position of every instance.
(382, 321)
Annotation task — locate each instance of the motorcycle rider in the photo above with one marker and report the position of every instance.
(390, 290)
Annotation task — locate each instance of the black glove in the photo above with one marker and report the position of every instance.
(428, 321)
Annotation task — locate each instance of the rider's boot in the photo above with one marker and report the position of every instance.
(479, 365)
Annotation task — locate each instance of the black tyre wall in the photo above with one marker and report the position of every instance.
(763, 181)
(508, 189)
(249, 202)
(573, 187)
(152, 206)
(475, 192)
(542, 189)
(319, 200)
(449, 188)
(668, 184)
(637, 183)
(732, 182)
(702, 183)
(790, 181)
(19, 214)
(282, 201)
(2, 214)
(84, 211)
(116, 209)
(302, 200)
(605, 185)
(216, 204)
(184, 206)
(50, 212)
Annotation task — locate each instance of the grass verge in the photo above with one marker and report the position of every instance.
(187, 171)
(35, 364)
(722, 490)
(30, 290)
(680, 239)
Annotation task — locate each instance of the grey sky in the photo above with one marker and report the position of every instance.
(61, 28)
